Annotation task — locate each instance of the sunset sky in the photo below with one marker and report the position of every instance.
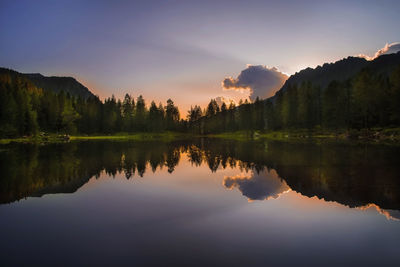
(184, 49)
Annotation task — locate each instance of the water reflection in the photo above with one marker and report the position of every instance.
(361, 176)
(389, 214)
(262, 185)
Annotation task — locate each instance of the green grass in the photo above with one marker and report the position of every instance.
(375, 135)
(298, 134)
(275, 135)
(53, 138)
(165, 136)
(9, 140)
(239, 135)
(33, 139)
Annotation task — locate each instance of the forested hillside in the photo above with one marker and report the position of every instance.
(59, 84)
(350, 94)
(26, 109)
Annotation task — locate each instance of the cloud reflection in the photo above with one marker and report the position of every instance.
(258, 186)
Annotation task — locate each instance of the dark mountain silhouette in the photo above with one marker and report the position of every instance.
(342, 70)
(53, 83)
(350, 94)
(58, 84)
(14, 78)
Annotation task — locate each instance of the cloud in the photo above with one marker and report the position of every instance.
(262, 186)
(227, 101)
(387, 49)
(259, 79)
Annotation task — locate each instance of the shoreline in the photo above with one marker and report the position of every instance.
(376, 135)
(54, 138)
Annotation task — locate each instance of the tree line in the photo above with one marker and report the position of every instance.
(367, 100)
(26, 110)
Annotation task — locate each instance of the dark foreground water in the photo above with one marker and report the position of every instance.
(204, 202)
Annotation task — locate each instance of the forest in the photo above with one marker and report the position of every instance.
(365, 100)
(27, 110)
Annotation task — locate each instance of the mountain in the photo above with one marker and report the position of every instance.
(342, 70)
(345, 96)
(10, 77)
(58, 84)
(53, 83)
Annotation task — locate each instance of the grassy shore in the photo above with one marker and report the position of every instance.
(370, 135)
(165, 136)
(54, 138)
(375, 134)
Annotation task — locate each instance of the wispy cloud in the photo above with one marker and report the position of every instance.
(387, 49)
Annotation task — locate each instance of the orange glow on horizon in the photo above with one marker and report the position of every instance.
(379, 210)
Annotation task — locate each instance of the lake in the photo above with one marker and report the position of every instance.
(201, 202)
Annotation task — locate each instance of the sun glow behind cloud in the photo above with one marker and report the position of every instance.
(387, 49)
(260, 80)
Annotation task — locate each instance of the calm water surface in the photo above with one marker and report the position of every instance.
(204, 202)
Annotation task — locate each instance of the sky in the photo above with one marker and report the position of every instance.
(184, 50)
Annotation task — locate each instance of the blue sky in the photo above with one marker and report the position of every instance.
(184, 49)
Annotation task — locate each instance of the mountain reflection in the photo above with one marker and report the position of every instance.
(358, 176)
(389, 214)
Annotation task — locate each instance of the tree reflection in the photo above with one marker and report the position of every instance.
(352, 174)
(33, 170)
